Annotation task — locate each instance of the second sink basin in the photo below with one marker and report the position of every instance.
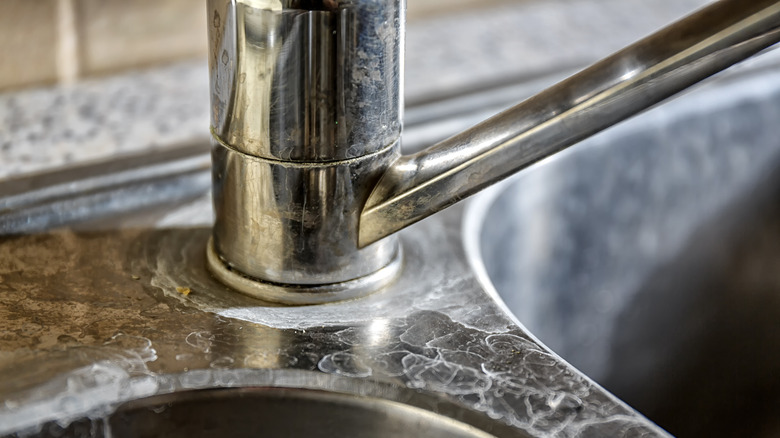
(649, 258)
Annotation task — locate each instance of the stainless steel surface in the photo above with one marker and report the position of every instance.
(648, 258)
(610, 91)
(306, 114)
(93, 320)
(131, 186)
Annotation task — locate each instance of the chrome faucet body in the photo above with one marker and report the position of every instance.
(306, 117)
(309, 184)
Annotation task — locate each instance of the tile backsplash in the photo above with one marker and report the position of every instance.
(117, 34)
(28, 42)
(48, 41)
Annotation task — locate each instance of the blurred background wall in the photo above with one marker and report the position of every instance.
(49, 41)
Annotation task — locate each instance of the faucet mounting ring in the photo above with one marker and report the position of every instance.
(302, 294)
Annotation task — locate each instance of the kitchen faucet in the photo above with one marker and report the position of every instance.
(306, 121)
(642, 257)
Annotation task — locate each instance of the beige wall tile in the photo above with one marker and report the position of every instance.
(117, 34)
(99, 36)
(28, 42)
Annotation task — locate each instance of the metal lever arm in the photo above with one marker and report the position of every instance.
(610, 91)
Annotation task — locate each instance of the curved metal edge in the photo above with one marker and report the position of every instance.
(472, 222)
(224, 381)
(301, 294)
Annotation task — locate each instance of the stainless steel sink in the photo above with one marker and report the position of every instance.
(275, 412)
(649, 258)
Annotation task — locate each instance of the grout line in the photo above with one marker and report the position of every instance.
(67, 50)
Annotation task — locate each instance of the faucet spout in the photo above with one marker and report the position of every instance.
(612, 90)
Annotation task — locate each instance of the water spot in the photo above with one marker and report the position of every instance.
(562, 400)
(226, 377)
(344, 364)
(196, 379)
(443, 376)
(201, 340)
(69, 404)
(136, 346)
(222, 362)
(509, 345)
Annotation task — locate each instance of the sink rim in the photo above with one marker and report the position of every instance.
(328, 400)
(230, 382)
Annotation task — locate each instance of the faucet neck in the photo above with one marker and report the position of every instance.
(306, 117)
(304, 85)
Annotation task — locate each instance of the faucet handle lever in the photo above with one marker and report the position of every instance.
(600, 96)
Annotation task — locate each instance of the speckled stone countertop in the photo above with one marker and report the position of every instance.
(100, 118)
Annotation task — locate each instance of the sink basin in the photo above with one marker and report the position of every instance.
(649, 258)
(251, 412)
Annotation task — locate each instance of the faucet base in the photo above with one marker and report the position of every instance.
(303, 294)
(296, 223)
